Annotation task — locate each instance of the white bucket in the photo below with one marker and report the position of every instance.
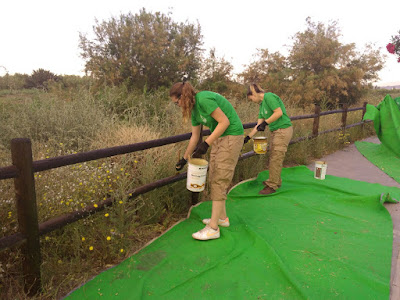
(320, 170)
(196, 174)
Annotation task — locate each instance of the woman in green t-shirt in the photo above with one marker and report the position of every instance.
(226, 141)
(273, 114)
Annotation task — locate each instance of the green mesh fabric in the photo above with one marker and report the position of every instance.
(313, 239)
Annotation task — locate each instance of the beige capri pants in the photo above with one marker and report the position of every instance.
(279, 142)
(224, 156)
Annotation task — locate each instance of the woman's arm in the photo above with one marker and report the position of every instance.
(223, 123)
(275, 116)
(192, 142)
(254, 131)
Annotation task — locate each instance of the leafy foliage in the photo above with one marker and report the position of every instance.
(13, 82)
(215, 73)
(319, 68)
(142, 50)
(270, 70)
(40, 79)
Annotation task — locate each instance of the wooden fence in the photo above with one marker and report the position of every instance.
(23, 169)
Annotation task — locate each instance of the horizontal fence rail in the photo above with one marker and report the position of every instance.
(48, 226)
(62, 161)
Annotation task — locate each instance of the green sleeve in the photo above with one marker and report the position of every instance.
(208, 105)
(273, 102)
(194, 122)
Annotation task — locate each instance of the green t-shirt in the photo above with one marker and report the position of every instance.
(206, 103)
(267, 107)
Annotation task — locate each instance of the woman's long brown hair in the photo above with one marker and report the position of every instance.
(186, 93)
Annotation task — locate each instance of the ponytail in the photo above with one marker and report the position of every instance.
(186, 93)
(253, 89)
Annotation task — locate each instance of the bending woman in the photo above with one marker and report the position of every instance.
(226, 141)
(273, 114)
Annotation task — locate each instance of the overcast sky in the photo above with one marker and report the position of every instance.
(45, 34)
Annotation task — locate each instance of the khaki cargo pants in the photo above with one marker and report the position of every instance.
(224, 156)
(279, 142)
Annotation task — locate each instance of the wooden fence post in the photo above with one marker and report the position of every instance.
(317, 111)
(344, 117)
(195, 195)
(21, 152)
(364, 109)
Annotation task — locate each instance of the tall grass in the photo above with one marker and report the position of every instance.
(62, 122)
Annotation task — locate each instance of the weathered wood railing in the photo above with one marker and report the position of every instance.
(24, 167)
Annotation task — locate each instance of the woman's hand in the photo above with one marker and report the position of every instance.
(179, 166)
(201, 149)
(261, 127)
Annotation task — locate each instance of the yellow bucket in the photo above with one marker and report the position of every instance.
(196, 174)
(260, 144)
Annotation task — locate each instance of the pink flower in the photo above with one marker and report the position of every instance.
(398, 60)
(391, 48)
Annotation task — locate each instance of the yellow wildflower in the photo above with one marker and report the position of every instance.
(91, 248)
(107, 215)
(108, 238)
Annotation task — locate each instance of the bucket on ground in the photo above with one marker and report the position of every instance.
(260, 144)
(196, 174)
(320, 169)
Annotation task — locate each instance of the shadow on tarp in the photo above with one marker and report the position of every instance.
(313, 239)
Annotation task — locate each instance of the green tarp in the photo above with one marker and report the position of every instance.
(381, 157)
(329, 239)
(386, 118)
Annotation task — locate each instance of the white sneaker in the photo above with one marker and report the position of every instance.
(207, 233)
(223, 223)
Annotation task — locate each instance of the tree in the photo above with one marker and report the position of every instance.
(323, 69)
(144, 50)
(319, 68)
(39, 79)
(270, 70)
(215, 73)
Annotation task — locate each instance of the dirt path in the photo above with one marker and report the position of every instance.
(350, 163)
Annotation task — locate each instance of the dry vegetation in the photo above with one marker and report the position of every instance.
(85, 122)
